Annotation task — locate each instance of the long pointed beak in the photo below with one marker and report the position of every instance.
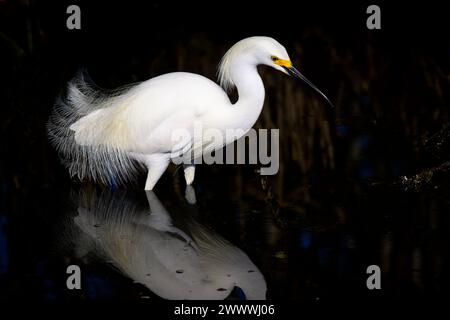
(295, 73)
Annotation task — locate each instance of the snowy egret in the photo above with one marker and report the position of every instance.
(108, 137)
(152, 249)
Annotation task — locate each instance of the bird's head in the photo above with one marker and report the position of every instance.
(257, 51)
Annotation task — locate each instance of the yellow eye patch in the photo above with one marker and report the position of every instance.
(281, 62)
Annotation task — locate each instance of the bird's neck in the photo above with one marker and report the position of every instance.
(251, 95)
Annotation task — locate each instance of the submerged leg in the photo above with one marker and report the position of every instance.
(189, 173)
(190, 195)
(156, 165)
(161, 220)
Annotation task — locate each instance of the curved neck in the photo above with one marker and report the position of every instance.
(251, 93)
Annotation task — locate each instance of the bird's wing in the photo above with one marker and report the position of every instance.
(96, 134)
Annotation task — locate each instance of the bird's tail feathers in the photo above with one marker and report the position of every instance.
(101, 162)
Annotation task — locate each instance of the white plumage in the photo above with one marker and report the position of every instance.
(108, 137)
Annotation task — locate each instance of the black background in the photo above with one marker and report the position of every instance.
(125, 41)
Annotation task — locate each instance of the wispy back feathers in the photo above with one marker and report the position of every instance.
(102, 162)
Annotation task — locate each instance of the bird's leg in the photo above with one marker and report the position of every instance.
(189, 173)
(190, 195)
(161, 220)
(156, 165)
(158, 218)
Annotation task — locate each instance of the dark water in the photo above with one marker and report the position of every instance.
(131, 245)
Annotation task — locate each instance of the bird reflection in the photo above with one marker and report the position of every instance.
(173, 255)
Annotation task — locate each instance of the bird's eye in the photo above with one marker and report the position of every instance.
(274, 58)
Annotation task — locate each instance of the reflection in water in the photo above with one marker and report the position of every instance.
(172, 255)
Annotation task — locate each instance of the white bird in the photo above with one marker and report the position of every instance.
(107, 137)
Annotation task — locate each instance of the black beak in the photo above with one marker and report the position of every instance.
(295, 73)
